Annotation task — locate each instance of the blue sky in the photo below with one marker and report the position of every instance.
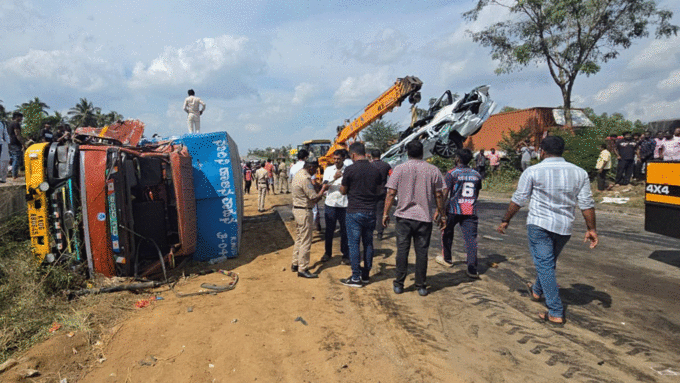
(274, 73)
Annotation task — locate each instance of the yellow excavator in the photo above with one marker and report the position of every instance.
(403, 88)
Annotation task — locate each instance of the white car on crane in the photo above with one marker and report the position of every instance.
(448, 122)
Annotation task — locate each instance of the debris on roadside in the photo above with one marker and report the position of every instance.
(6, 365)
(299, 319)
(492, 238)
(55, 326)
(615, 200)
(29, 373)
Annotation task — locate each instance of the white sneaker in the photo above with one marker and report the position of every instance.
(440, 259)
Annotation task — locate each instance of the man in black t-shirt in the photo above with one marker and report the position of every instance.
(385, 170)
(16, 143)
(362, 183)
(625, 153)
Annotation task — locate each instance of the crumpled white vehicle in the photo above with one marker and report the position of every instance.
(448, 122)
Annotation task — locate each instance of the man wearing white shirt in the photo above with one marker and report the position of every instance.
(553, 189)
(301, 158)
(192, 105)
(336, 207)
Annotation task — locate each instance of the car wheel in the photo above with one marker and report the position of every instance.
(446, 147)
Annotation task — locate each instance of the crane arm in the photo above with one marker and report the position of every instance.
(403, 88)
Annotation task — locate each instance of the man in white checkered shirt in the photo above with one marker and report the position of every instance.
(555, 187)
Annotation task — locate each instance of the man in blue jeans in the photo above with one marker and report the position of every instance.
(16, 144)
(362, 183)
(554, 188)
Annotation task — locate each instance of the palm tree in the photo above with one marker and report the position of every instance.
(84, 114)
(108, 118)
(35, 101)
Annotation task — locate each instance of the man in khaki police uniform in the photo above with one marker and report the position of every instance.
(304, 199)
(261, 177)
(283, 177)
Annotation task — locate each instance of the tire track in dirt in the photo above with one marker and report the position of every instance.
(561, 349)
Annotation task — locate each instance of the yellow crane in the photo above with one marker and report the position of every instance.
(403, 88)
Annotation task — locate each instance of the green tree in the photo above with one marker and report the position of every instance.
(380, 134)
(104, 119)
(508, 109)
(33, 119)
(583, 147)
(83, 114)
(571, 36)
(54, 120)
(510, 142)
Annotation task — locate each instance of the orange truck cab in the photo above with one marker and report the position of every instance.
(140, 211)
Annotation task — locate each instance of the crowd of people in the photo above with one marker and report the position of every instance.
(360, 192)
(13, 143)
(632, 152)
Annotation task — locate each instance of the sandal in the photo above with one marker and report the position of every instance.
(532, 295)
(546, 317)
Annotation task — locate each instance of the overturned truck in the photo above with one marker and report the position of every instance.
(102, 203)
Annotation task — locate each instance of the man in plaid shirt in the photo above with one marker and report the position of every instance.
(462, 190)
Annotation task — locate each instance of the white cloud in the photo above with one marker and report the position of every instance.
(77, 68)
(450, 70)
(670, 82)
(303, 92)
(387, 46)
(354, 90)
(662, 53)
(612, 92)
(253, 128)
(651, 108)
(199, 63)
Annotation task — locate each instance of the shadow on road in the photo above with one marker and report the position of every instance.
(580, 294)
(669, 257)
(445, 279)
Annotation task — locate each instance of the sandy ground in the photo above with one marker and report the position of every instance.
(464, 331)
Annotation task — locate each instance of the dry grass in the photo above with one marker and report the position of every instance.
(32, 298)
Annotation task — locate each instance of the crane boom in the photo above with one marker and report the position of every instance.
(391, 98)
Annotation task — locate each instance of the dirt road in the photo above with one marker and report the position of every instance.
(464, 331)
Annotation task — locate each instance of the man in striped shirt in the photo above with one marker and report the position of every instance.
(555, 187)
(462, 190)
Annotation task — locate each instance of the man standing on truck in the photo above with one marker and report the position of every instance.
(261, 177)
(553, 188)
(305, 198)
(192, 105)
